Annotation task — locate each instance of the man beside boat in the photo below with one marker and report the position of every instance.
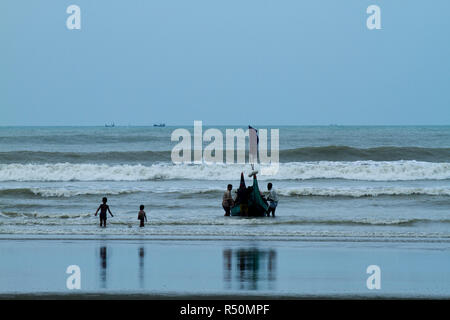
(227, 200)
(272, 198)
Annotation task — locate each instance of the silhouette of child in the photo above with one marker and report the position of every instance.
(103, 208)
(142, 215)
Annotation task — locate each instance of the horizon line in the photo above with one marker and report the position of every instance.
(230, 125)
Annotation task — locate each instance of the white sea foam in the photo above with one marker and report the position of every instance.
(176, 225)
(67, 193)
(358, 170)
(337, 191)
(219, 233)
(192, 221)
(358, 192)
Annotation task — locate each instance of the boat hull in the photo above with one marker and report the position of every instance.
(255, 207)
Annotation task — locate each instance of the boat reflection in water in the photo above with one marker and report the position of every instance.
(249, 269)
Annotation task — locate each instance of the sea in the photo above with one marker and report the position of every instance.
(335, 183)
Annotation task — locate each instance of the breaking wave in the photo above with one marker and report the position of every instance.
(327, 153)
(84, 157)
(354, 192)
(124, 220)
(358, 170)
(344, 153)
(61, 192)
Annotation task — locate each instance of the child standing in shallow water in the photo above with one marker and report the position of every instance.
(142, 215)
(103, 208)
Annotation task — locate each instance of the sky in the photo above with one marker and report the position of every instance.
(234, 62)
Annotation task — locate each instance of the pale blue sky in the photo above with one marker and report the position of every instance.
(235, 62)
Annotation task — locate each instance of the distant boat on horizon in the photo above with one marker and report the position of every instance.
(160, 125)
(112, 125)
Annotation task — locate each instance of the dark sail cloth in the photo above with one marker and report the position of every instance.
(242, 197)
(241, 203)
(250, 201)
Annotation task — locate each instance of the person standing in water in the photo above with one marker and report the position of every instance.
(272, 197)
(103, 208)
(142, 216)
(227, 201)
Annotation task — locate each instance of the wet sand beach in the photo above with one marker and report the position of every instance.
(193, 269)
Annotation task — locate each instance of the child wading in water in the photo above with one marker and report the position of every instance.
(142, 215)
(103, 208)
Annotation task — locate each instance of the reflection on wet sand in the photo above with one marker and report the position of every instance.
(103, 266)
(249, 268)
(141, 267)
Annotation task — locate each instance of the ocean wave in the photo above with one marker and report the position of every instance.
(61, 192)
(364, 192)
(345, 153)
(39, 216)
(133, 233)
(358, 170)
(299, 221)
(85, 157)
(327, 153)
(353, 192)
(128, 220)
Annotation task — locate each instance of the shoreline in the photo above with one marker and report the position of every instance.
(175, 238)
(228, 297)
